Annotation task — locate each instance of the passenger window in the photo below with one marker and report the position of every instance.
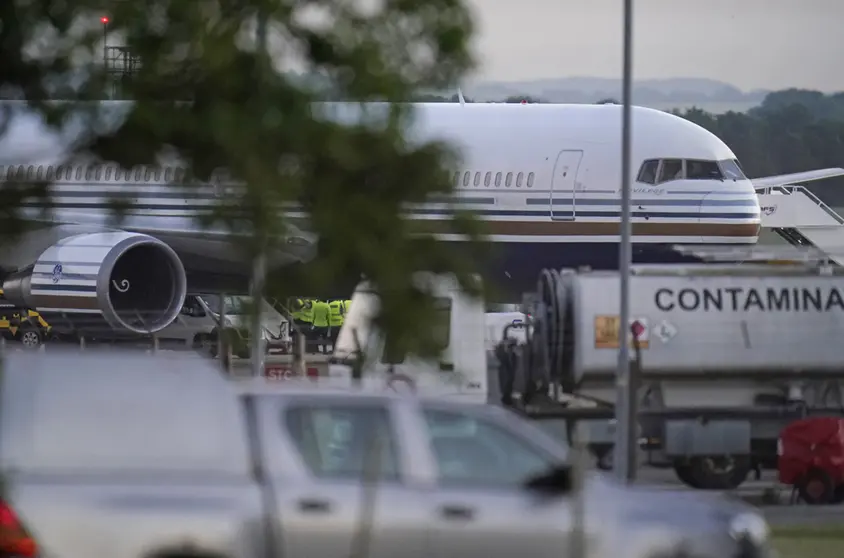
(10, 173)
(30, 172)
(530, 180)
(98, 173)
(89, 172)
(147, 174)
(703, 170)
(108, 173)
(79, 172)
(168, 174)
(477, 179)
(127, 175)
(157, 174)
(672, 169)
(39, 174)
(67, 172)
(180, 175)
(487, 179)
(339, 442)
(647, 174)
(21, 172)
(118, 173)
(509, 180)
(394, 350)
(50, 173)
(466, 177)
(519, 180)
(478, 451)
(138, 171)
(497, 179)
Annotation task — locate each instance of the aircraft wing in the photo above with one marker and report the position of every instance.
(796, 177)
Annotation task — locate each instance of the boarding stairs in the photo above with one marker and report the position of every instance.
(802, 219)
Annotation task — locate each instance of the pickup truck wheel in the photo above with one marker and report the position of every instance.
(30, 337)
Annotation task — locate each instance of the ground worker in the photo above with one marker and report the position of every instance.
(347, 305)
(335, 319)
(322, 326)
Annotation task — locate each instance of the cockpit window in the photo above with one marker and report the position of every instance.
(671, 169)
(703, 170)
(732, 169)
(647, 174)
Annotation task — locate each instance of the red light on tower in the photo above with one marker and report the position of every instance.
(524, 102)
(104, 20)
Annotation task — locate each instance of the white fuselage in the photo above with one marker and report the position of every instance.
(545, 179)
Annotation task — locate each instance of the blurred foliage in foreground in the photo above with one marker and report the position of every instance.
(238, 110)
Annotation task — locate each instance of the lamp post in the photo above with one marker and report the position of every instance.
(625, 396)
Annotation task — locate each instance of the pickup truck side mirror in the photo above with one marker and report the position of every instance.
(556, 482)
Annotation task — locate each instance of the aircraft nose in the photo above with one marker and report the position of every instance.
(737, 215)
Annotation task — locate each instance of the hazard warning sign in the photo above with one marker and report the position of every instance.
(606, 332)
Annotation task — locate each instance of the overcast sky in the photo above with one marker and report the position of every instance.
(770, 44)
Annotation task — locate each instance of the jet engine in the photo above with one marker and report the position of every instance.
(131, 281)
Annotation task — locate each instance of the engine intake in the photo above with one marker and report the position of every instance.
(133, 281)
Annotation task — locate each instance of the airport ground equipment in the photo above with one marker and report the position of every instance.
(23, 325)
(799, 217)
(726, 356)
(811, 459)
(223, 469)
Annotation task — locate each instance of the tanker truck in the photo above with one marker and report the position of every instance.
(725, 357)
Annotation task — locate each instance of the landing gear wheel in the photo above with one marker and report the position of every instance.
(720, 472)
(30, 337)
(816, 487)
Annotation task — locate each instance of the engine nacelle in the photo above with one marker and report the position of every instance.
(133, 281)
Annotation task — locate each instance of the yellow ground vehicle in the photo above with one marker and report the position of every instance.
(22, 324)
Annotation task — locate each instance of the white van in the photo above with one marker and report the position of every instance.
(196, 324)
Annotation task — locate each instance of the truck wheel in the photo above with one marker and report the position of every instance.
(212, 344)
(838, 494)
(720, 472)
(816, 487)
(604, 458)
(30, 337)
(685, 475)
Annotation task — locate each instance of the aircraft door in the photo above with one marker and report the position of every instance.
(563, 198)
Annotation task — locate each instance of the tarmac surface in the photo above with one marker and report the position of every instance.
(752, 491)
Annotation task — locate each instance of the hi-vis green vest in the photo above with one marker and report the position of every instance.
(321, 312)
(298, 309)
(347, 305)
(335, 317)
(307, 312)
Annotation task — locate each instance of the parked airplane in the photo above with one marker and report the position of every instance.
(545, 179)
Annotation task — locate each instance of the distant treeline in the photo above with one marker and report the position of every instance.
(791, 131)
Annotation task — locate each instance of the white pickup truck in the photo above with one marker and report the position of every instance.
(118, 455)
